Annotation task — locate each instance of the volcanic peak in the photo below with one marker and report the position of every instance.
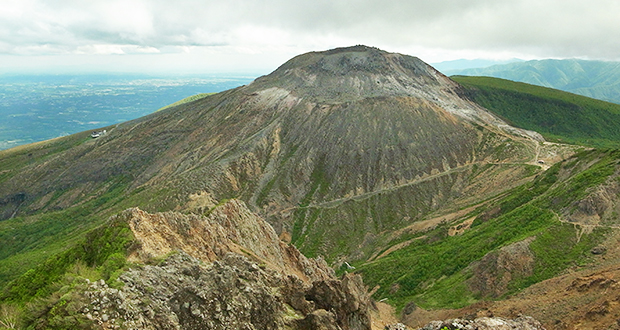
(342, 61)
(351, 73)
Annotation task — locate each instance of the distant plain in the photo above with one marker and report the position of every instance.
(40, 107)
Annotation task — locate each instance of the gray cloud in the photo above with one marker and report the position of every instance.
(531, 28)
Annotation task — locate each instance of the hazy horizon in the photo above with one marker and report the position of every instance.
(241, 36)
(41, 107)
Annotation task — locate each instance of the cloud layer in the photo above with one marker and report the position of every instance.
(474, 28)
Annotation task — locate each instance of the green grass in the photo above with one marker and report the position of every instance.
(30, 240)
(319, 187)
(425, 261)
(50, 295)
(555, 250)
(186, 100)
(15, 159)
(433, 272)
(103, 248)
(558, 116)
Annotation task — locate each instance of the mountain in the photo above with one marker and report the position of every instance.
(365, 161)
(309, 147)
(558, 116)
(596, 79)
(448, 67)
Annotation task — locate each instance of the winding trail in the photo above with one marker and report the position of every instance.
(339, 201)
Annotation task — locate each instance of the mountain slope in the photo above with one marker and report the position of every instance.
(369, 159)
(557, 115)
(596, 79)
(497, 248)
(320, 134)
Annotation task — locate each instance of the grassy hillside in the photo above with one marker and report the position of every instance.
(597, 79)
(437, 270)
(557, 115)
(186, 100)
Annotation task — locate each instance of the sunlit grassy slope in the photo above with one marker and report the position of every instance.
(557, 115)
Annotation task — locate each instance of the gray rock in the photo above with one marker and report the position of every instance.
(598, 250)
(231, 293)
(486, 323)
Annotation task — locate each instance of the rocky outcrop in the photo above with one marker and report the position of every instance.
(224, 270)
(599, 207)
(232, 293)
(495, 271)
(229, 227)
(9, 205)
(486, 323)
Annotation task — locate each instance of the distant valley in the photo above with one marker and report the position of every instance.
(37, 108)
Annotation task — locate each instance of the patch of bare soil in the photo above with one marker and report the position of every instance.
(382, 315)
(460, 228)
(421, 226)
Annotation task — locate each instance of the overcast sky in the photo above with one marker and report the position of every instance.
(257, 36)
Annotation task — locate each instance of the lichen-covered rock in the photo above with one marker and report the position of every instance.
(318, 320)
(397, 326)
(347, 298)
(224, 270)
(232, 293)
(486, 323)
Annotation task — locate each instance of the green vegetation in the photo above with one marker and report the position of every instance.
(49, 295)
(319, 186)
(17, 158)
(556, 249)
(434, 273)
(415, 269)
(597, 79)
(345, 208)
(187, 100)
(103, 249)
(363, 225)
(558, 116)
(29, 241)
